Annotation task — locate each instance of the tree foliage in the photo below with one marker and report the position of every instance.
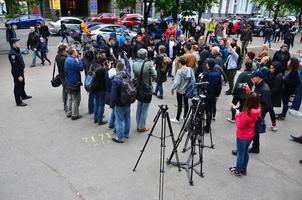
(121, 4)
(14, 7)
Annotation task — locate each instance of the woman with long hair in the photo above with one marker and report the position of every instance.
(245, 123)
(291, 82)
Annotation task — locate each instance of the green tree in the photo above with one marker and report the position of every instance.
(121, 4)
(273, 5)
(14, 6)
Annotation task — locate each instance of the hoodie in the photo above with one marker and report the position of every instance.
(245, 123)
(182, 78)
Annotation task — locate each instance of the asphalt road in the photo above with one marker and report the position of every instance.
(44, 155)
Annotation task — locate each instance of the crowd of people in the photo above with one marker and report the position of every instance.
(121, 69)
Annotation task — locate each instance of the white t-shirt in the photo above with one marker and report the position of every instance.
(171, 45)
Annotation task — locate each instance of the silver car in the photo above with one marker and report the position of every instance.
(106, 29)
(70, 22)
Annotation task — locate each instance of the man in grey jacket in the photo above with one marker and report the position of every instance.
(144, 89)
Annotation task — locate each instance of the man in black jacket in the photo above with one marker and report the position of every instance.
(10, 33)
(263, 90)
(44, 32)
(245, 38)
(17, 63)
(60, 60)
(33, 43)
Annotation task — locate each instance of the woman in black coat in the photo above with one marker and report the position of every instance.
(291, 82)
(275, 83)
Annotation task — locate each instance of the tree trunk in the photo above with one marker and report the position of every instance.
(227, 7)
(300, 16)
(220, 8)
(146, 12)
(276, 12)
(175, 11)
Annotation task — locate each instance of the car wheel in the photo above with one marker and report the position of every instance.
(261, 33)
(60, 32)
(15, 26)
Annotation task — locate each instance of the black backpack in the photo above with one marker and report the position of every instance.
(128, 92)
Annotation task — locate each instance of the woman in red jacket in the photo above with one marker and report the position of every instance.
(245, 122)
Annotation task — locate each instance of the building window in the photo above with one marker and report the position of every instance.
(71, 4)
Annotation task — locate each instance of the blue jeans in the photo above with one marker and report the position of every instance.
(242, 154)
(91, 99)
(141, 114)
(298, 98)
(35, 54)
(285, 102)
(99, 106)
(112, 119)
(122, 121)
(159, 88)
(269, 41)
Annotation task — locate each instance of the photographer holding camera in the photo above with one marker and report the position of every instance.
(213, 77)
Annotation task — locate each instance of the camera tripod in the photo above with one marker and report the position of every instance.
(195, 126)
(164, 120)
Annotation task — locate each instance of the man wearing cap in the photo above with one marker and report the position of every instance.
(263, 90)
(17, 63)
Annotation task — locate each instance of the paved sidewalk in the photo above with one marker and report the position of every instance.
(45, 156)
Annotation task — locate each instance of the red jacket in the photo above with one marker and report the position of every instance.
(246, 124)
(170, 31)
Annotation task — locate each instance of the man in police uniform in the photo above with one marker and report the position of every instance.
(17, 63)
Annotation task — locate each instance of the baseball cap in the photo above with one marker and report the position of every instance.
(257, 74)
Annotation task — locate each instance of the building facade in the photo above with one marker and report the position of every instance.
(81, 8)
(231, 7)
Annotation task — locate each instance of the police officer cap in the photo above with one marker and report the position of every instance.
(257, 74)
(13, 40)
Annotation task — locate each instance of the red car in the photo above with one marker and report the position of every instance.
(130, 20)
(108, 18)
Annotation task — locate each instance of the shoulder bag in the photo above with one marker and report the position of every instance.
(55, 81)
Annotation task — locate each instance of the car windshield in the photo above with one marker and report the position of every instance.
(94, 27)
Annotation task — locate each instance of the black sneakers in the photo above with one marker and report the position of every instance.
(21, 104)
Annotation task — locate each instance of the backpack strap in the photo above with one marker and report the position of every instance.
(54, 70)
(140, 76)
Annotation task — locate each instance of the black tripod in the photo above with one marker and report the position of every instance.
(165, 118)
(195, 126)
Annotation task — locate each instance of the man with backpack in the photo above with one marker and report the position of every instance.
(144, 72)
(122, 95)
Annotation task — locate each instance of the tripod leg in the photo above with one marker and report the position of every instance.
(149, 135)
(200, 144)
(173, 142)
(162, 157)
(191, 168)
(180, 136)
(211, 138)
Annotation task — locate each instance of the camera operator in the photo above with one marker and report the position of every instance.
(213, 91)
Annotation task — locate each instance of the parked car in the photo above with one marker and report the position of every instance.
(258, 26)
(70, 22)
(25, 21)
(106, 29)
(108, 18)
(257, 17)
(130, 20)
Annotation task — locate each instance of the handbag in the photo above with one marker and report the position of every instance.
(55, 81)
(142, 94)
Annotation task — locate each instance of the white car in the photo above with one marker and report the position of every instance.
(70, 22)
(106, 29)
